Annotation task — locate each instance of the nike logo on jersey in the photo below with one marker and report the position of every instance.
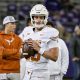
(28, 33)
(41, 34)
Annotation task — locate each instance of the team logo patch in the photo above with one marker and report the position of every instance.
(28, 33)
(41, 34)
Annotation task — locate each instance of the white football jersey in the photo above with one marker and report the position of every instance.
(43, 37)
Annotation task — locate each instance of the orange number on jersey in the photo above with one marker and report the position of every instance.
(37, 56)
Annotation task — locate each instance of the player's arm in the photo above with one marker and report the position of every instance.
(53, 47)
(51, 53)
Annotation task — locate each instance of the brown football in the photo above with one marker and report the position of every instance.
(28, 51)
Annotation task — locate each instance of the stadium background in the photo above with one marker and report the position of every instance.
(66, 12)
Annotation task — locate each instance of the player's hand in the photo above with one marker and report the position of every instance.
(33, 44)
(28, 49)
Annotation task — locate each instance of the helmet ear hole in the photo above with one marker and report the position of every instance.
(44, 17)
(33, 17)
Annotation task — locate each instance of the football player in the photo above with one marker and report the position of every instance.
(59, 68)
(43, 41)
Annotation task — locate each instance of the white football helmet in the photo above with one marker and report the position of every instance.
(39, 10)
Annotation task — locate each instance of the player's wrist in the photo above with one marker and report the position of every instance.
(41, 51)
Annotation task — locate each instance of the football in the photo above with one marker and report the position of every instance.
(28, 51)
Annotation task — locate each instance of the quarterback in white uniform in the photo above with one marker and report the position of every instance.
(46, 45)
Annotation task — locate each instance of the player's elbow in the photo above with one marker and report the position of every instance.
(55, 58)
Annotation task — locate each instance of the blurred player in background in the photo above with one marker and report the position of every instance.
(43, 40)
(59, 68)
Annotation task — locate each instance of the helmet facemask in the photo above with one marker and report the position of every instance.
(39, 24)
